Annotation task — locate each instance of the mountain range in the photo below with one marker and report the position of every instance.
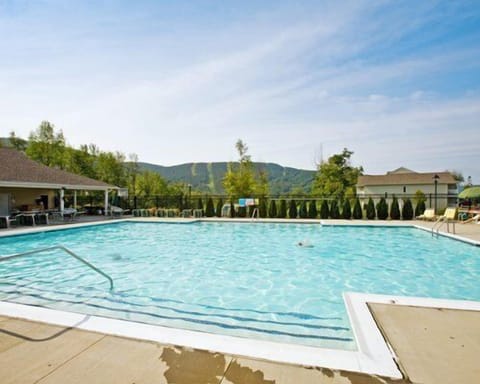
(207, 177)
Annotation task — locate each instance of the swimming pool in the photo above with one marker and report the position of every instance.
(250, 280)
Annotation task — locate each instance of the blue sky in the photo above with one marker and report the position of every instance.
(396, 82)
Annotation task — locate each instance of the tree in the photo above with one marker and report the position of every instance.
(150, 184)
(357, 210)
(282, 212)
(420, 208)
(272, 209)
(132, 171)
(209, 210)
(240, 179)
(262, 208)
(312, 209)
(303, 212)
(17, 143)
(334, 211)
(394, 209)
(292, 210)
(370, 211)
(47, 146)
(336, 176)
(407, 210)
(109, 168)
(346, 210)
(324, 210)
(218, 211)
(382, 209)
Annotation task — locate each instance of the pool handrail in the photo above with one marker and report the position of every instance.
(65, 249)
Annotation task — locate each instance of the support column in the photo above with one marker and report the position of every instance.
(62, 201)
(75, 199)
(106, 202)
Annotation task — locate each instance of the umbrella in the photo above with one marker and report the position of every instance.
(470, 193)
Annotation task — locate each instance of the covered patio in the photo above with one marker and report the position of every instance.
(35, 191)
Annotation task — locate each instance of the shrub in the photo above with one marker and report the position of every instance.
(262, 208)
(303, 213)
(312, 209)
(370, 210)
(420, 208)
(209, 210)
(357, 210)
(241, 212)
(218, 210)
(394, 209)
(232, 210)
(282, 212)
(324, 211)
(272, 209)
(346, 210)
(334, 210)
(292, 210)
(200, 203)
(407, 210)
(382, 209)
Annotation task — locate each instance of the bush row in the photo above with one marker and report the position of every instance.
(345, 209)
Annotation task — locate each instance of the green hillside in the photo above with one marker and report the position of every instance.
(207, 177)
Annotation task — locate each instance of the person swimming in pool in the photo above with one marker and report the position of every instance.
(305, 243)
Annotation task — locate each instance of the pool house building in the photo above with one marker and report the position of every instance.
(27, 185)
(440, 188)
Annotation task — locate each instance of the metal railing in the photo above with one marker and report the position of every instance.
(65, 249)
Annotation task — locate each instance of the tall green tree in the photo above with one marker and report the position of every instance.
(209, 210)
(346, 210)
(394, 209)
(17, 143)
(382, 209)
(336, 177)
(240, 179)
(151, 184)
(47, 146)
(218, 210)
(303, 211)
(334, 210)
(282, 211)
(370, 210)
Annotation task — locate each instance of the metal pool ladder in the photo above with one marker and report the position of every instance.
(65, 249)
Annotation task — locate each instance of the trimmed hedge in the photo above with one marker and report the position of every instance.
(262, 208)
(370, 211)
(407, 210)
(272, 209)
(334, 210)
(303, 212)
(218, 210)
(282, 212)
(346, 210)
(420, 208)
(382, 209)
(312, 210)
(209, 209)
(324, 210)
(292, 210)
(394, 209)
(357, 210)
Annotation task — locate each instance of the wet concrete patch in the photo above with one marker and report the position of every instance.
(186, 366)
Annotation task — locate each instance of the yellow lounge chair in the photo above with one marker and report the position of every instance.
(428, 214)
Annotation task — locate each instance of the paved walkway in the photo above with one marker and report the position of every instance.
(32, 352)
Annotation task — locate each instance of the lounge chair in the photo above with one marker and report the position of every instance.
(8, 220)
(428, 214)
(117, 211)
(448, 217)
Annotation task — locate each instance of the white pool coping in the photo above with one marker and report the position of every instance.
(374, 355)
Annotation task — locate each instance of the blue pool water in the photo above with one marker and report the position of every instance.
(249, 280)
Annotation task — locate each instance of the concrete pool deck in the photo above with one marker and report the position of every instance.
(431, 345)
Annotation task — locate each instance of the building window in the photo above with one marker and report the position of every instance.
(404, 189)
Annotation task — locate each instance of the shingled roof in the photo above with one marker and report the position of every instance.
(17, 170)
(406, 178)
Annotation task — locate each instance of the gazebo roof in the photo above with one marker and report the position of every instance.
(18, 171)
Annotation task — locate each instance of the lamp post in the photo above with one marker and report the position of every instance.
(435, 180)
